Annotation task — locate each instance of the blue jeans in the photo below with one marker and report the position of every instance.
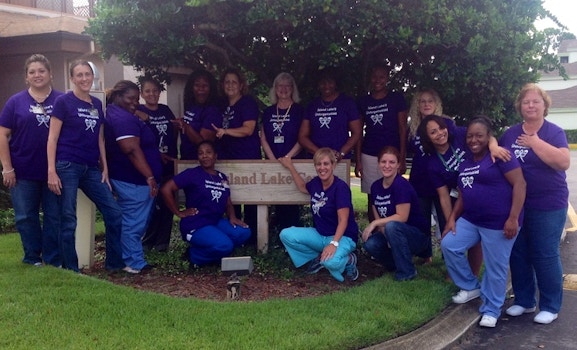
(76, 176)
(536, 260)
(39, 240)
(209, 244)
(496, 251)
(395, 248)
(304, 244)
(136, 204)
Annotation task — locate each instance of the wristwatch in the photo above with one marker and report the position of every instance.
(335, 243)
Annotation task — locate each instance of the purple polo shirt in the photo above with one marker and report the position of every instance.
(329, 121)
(546, 187)
(198, 117)
(324, 206)
(233, 117)
(487, 195)
(381, 121)
(205, 192)
(28, 122)
(122, 124)
(281, 128)
(78, 140)
(386, 200)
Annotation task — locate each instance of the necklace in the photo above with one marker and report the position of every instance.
(37, 98)
(284, 118)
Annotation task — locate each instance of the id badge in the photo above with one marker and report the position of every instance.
(279, 139)
(454, 193)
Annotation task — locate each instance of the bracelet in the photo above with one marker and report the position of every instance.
(150, 178)
(7, 172)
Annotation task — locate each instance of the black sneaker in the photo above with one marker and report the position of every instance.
(315, 266)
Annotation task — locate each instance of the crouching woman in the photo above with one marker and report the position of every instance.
(202, 225)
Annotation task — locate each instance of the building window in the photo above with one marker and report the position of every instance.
(564, 59)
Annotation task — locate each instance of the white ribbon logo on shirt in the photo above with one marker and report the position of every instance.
(383, 212)
(215, 195)
(467, 181)
(42, 119)
(161, 129)
(90, 124)
(520, 154)
(277, 127)
(377, 119)
(325, 121)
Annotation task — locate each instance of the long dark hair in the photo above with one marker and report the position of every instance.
(428, 146)
(188, 95)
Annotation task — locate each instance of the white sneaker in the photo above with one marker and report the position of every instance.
(488, 321)
(518, 310)
(465, 295)
(545, 317)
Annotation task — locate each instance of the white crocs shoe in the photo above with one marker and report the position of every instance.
(545, 317)
(518, 310)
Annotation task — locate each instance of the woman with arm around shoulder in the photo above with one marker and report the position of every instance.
(77, 160)
(279, 135)
(135, 169)
(542, 150)
(332, 241)
(24, 124)
(207, 192)
(400, 230)
(472, 220)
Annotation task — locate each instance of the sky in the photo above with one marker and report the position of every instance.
(564, 10)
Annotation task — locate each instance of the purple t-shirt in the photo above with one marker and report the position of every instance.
(121, 124)
(198, 117)
(381, 121)
(165, 132)
(386, 200)
(329, 121)
(324, 206)
(487, 195)
(28, 122)
(546, 187)
(233, 117)
(205, 192)
(78, 140)
(420, 178)
(444, 168)
(281, 128)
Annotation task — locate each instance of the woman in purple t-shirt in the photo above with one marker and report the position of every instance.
(77, 160)
(488, 210)
(541, 148)
(332, 241)
(200, 112)
(24, 126)
(279, 135)
(211, 237)
(135, 169)
(160, 119)
(400, 230)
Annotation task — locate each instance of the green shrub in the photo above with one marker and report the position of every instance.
(7, 223)
(571, 136)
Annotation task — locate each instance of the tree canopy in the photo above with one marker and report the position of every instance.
(475, 53)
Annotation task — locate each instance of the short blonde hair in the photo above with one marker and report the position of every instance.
(322, 152)
(536, 88)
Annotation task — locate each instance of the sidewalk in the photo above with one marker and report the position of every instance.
(456, 327)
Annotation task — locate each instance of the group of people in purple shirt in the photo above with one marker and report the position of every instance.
(487, 196)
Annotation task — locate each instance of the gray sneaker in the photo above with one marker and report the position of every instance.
(315, 266)
(351, 271)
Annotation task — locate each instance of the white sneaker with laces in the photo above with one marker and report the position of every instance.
(466, 295)
(488, 321)
(545, 317)
(518, 310)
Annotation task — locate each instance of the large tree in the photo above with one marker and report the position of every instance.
(476, 53)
